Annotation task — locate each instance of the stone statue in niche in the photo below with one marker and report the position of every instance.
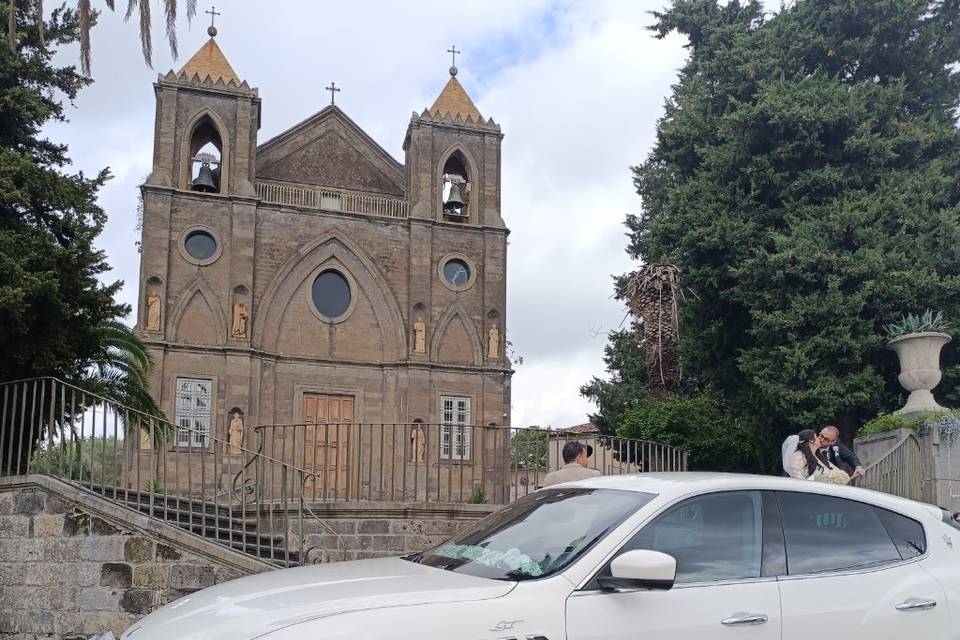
(493, 343)
(153, 312)
(418, 446)
(419, 336)
(240, 320)
(235, 432)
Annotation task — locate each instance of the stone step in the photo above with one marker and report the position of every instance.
(172, 501)
(217, 523)
(186, 516)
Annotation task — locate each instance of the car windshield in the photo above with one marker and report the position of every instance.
(537, 535)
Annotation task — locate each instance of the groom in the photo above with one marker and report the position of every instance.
(839, 455)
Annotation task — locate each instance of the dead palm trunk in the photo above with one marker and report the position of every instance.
(653, 292)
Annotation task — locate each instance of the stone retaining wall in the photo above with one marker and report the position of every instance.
(355, 531)
(72, 566)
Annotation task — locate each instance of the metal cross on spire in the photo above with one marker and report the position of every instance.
(453, 56)
(213, 13)
(333, 89)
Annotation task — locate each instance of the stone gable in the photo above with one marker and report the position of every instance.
(329, 150)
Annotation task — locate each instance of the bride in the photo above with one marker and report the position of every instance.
(802, 460)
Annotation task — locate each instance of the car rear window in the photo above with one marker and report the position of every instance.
(905, 532)
(824, 533)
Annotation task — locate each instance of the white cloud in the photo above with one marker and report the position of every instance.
(577, 87)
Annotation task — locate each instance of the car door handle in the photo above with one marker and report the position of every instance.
(744, 618)
(916, 604)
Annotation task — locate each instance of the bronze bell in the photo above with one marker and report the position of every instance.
(455, 199)
(204, 181)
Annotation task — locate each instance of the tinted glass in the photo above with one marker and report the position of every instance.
(907, 534)
(830, 534)
(456, 272)
(200, 245)
(331, 294)
(537, 535)
(774, 550)
(712, 537)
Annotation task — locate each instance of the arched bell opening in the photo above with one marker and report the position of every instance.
(206, 154)
(455, 188)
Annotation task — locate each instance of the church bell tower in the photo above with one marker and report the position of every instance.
(453, 161)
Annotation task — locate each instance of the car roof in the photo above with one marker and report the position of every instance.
(674, 485)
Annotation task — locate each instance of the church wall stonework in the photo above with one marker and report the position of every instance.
(244, 317)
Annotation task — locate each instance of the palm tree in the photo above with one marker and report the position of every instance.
(117, 373)
(120, 370)
(653, 292)
(87, 15)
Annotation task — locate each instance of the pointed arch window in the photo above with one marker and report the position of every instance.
(206, 157)
(455, 189)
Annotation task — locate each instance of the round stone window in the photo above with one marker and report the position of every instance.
(456, 271)
(331, 294)
(200, 245)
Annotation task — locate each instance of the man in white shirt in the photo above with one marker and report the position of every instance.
(575, 456)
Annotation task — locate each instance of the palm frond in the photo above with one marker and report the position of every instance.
(120, 371)
(170, 11)
(146, 40)
(86, 21)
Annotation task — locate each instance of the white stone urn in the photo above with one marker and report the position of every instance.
(919, 355)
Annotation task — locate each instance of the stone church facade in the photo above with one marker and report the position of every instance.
(313, 278)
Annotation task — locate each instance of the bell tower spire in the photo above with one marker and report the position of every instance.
(206, 126)
(453, 159)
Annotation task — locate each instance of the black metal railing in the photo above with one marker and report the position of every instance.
(257, 500)
(175, 473)
(419, 462)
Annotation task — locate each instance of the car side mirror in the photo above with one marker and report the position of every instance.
(641, 569)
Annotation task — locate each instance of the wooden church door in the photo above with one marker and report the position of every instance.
(326, 443)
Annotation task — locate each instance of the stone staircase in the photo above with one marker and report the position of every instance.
(227, 526)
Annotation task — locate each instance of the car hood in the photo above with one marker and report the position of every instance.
(256, 605)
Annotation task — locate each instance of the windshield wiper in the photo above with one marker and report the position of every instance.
(519, 576)
(414, 557)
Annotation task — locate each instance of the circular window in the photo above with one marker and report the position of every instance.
(200, 245)
(456, 271)
(331, 294)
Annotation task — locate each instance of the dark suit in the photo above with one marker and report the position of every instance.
(840, 455)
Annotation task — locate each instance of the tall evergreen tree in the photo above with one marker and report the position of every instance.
(806, 179)
(56, 317)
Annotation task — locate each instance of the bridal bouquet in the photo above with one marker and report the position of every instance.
(833, 476)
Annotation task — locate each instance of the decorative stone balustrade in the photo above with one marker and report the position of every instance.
(328, 200)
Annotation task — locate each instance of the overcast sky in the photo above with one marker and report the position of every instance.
(576, 86)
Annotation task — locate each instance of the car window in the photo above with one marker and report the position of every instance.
(712, 537)
(906, 533)
(824, 533)
(537, 535)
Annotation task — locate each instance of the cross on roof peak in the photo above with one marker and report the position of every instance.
(333, 89)
(453, 56)
(213, 13)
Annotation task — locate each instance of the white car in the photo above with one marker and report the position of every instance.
(686, 556)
